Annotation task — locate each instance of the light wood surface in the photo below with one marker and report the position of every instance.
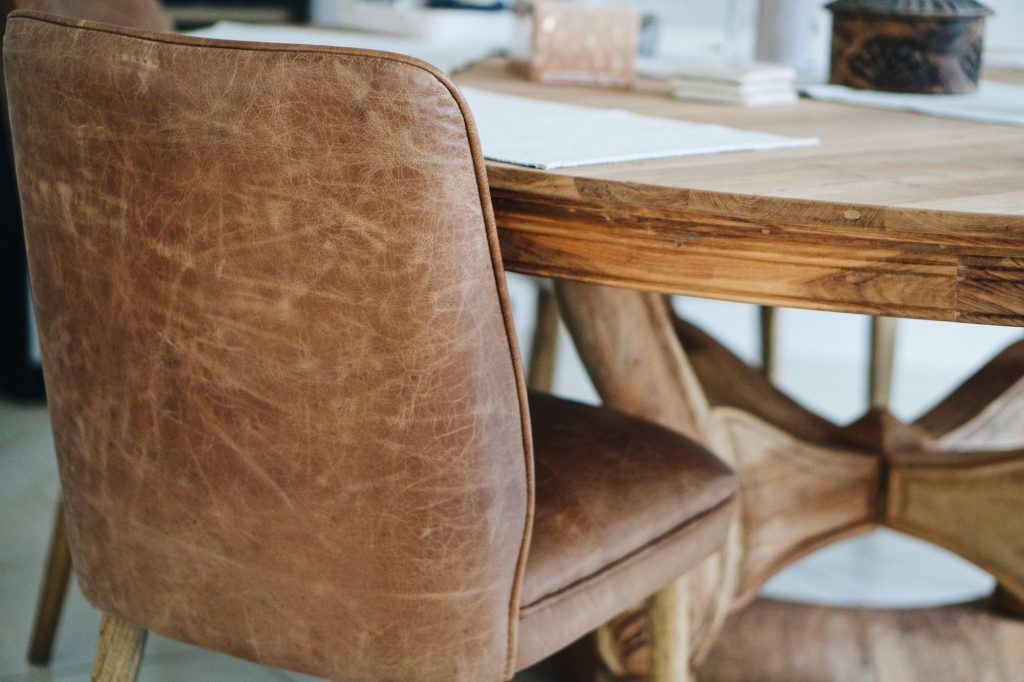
(971, 503)
(768, 318)
(668, 613)
(119, 651)
(893, 214)
(540, 370)
(773, 640)
(56, 577)
(804, 482)
(802, 485)
(883, 356)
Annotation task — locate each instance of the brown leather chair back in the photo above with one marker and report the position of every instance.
(14, 342)
(283, 380)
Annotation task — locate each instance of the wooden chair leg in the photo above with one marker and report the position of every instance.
(56, 577)
(544, 349)
(883, 351)
(769, 333)
(668, 613)
(119, 651)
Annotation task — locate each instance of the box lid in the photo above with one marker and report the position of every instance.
(927, 8)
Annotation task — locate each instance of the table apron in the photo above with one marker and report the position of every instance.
(759, 261)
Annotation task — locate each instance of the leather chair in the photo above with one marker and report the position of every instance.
(144, 14)
(286, 397)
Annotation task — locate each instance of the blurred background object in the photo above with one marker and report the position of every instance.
(921, 46)
(786, 33)
(193, 13)
(581, 43)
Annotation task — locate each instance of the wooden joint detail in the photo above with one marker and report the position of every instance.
(969, 503)
(990, 289)
(704, 254)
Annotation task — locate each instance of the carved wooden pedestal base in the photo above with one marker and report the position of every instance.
(773, 640)
(951, 477)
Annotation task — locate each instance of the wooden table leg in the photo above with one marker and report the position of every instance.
(798, 492)
(56, 577)
(883, 353)
(805, 482)
(769, 321)
(544, 346)
(970, 503)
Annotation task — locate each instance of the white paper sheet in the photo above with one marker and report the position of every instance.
(538, 134)
(448, 56)
(992, 103)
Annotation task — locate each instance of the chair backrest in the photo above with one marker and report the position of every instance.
(14, 342)
(287, 402)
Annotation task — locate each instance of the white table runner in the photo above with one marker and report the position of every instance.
(992, 103)
(548, 135)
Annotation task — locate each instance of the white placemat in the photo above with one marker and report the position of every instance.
(992, 103)
(538, 134)
(448, 56)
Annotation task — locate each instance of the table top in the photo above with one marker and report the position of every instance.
(894, 214)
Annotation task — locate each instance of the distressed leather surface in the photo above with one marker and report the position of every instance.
(284, 391)
(623, 508)
(284, 386)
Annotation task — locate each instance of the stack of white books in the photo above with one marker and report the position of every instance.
(752, 85)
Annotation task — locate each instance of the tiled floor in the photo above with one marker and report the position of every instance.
(882, 569)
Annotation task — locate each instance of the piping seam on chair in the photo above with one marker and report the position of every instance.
(486, 210)
(622, 562)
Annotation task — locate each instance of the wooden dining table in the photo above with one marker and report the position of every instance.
(895, 214)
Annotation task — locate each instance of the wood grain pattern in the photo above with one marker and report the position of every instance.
(971, 503)
(627, 341)
(797, 496)
(984, 413)
(894, 214)
(56, 577)
(119, 651)
(629, 334)
(804, 482)
(990, 288)
(755, 260)
(772, 641)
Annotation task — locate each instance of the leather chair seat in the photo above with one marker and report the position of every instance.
(623, 507)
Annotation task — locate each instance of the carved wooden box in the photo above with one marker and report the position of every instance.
(921, 46)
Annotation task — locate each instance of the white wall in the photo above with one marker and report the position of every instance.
(1006, 28)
